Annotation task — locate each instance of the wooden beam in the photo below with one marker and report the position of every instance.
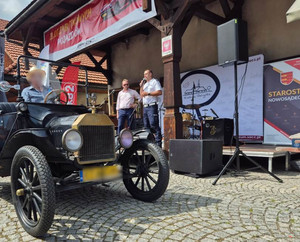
(104, 58)
(156, 23)
(237, 10)
(92, 58)
(49, 19)
(180, 12)
(186, 20)
(66, 6)
(162, 8)
(226, 8)
(109, 66)
(209, 16)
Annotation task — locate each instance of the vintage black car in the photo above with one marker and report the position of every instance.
(52, 146)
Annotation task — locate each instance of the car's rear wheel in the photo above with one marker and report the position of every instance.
(33, 190)
(145, 171)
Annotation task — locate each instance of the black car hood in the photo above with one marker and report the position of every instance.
(41, 115)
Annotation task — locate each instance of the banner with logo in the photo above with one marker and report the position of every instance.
(70, 83)
(93, 22)
(281, 101)
(214, 89)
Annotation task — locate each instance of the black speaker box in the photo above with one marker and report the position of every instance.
(233, 42)
(195, 156)
(218, 129)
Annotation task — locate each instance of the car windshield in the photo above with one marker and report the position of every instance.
(49, 82)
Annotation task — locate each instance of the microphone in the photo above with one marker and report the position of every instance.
(213, 111)
(144, 80)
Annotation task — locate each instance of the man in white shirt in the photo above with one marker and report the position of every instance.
(150, 89)
(125, 106)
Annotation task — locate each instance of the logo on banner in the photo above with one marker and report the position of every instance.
(71, 89)
(286, 78)
(204, 84)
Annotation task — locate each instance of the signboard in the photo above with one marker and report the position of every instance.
(213, 87)
(281, 101)
(166, 46)
(93, 22)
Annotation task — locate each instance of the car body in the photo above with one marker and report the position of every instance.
(52, 147)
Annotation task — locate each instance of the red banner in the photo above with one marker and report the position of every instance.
(82, 28)
(69, 83)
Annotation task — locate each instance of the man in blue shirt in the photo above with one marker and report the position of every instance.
(150, 89)
(36, 92)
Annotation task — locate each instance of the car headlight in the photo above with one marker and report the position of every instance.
(126, 138)
(72, 140)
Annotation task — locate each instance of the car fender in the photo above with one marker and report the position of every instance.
(143, 134)
(37, 137)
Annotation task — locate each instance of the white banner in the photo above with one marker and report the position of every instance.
(214, 88)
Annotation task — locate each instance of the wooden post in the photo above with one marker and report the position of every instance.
(172, 86)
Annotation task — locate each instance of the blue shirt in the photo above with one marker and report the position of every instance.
(30, 94)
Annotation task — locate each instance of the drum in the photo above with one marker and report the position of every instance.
(186, 132)
(196, 122)
(187, 118)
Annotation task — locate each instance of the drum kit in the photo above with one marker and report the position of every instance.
(192, 125)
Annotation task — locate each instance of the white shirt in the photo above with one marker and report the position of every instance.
(151, 86)
(126, 99)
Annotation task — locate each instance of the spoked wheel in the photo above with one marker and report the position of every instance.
(145, 171)
(33, 191)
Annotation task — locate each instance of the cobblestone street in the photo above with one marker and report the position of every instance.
(249, 207)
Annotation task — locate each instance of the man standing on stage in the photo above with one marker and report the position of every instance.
(126, 105)
(150, 89)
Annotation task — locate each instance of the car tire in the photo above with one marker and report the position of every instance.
(33, 190)
(145, 164)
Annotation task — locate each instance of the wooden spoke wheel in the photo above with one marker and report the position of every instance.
(33, 191)
(145, 171)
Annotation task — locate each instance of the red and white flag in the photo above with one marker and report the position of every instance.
(69, 83)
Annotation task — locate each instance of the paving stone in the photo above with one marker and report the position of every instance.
(253, 207)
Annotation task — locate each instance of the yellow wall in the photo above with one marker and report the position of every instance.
(268, 32)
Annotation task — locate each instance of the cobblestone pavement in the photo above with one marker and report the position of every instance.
(251, 207)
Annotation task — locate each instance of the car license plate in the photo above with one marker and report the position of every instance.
(100, 173)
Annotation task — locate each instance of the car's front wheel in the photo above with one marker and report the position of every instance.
(33, 190)
(145, 171)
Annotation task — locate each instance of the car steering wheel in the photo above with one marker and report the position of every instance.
(54, 97)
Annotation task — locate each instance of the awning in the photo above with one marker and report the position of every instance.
(293, 13)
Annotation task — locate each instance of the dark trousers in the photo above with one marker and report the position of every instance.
(151, 120)
(124, 114)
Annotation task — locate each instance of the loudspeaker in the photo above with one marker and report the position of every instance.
(218, 129)
(195, 156)
(232, 42)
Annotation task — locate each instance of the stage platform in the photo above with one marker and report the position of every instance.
(265, 151)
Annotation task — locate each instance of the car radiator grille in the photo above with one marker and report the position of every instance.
(98, 143)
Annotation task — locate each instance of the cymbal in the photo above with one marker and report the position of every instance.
(192, 106)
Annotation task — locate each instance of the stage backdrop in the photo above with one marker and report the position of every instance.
(214, 88)
(95, 21)
(281, 101)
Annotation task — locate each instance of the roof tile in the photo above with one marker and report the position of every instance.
(13, 51)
